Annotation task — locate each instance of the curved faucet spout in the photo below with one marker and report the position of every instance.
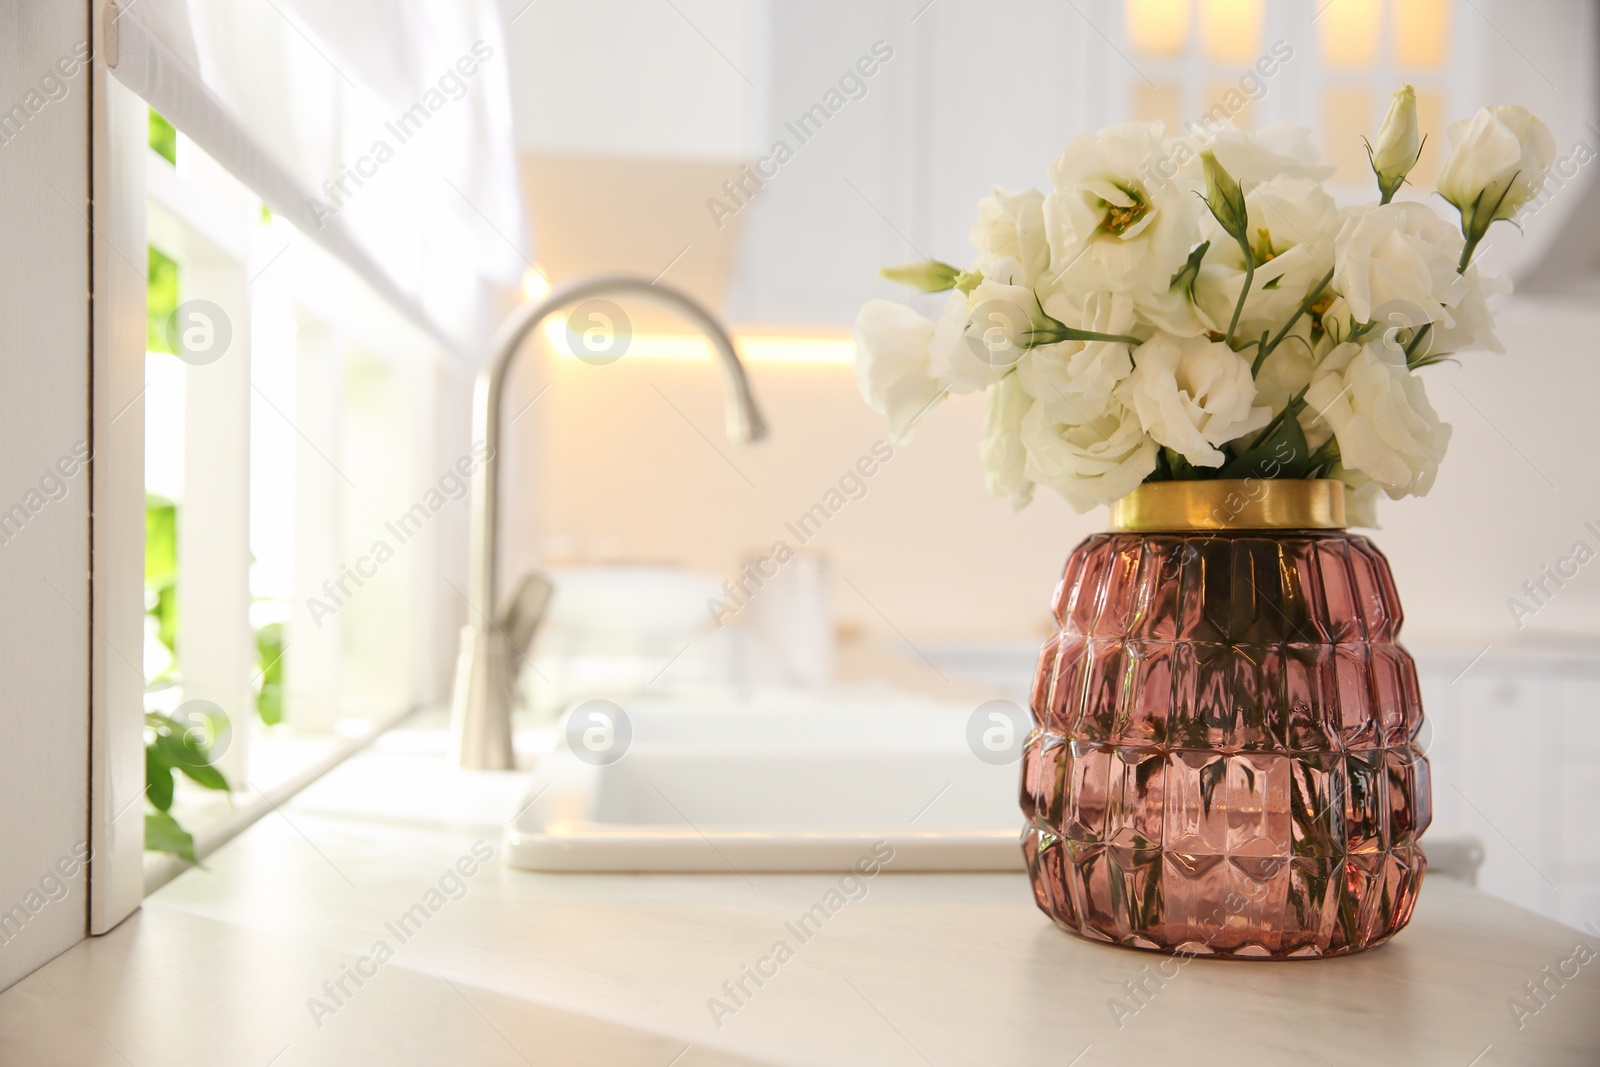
(486, 667)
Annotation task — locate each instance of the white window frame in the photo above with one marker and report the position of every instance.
(1305, 78)
(137, 197)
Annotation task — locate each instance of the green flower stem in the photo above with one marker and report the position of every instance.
(1467, 250)
(1056, 330)
(1050, 335)
(1305, 305)
(1249, 276)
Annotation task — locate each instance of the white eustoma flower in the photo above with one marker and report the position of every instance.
(1176, 312)
(892, 364)
(1010, 238)
(1074, 380)
(1191, 395)
(1088, 463)
(1396, 262)
(1473, 326)
(1282, 150)
(1002, 454)
(982, 335)
(1288, 368)
(1112, 222)
(1288, 371)
(1498, 161)
(1293, 222)
(1379, 412)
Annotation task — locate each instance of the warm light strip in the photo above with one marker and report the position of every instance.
(754, 347)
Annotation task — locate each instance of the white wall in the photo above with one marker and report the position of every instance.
(1515, 493)
(683, 80)
(44, 567)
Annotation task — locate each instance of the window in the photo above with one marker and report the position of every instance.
(1190, 60)
(288, 427)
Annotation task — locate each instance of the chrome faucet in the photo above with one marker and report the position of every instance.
(493, 642)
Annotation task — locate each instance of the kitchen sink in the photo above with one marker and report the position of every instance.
(770, 784)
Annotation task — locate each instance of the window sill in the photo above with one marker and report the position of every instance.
(281, 766)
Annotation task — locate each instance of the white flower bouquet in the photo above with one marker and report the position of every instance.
(1173, 310)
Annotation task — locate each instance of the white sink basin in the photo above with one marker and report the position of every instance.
(769, 787)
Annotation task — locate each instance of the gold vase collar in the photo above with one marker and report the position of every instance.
(1232, 504)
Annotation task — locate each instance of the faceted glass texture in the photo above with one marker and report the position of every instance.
(1223, 759)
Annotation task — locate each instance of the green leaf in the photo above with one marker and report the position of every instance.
(205, 774)
(165, 613)
(1283, 453)
(161, 299)
(161, 567)
(1417, 338)
(158, 776)
(1184, 279)
(163, 137)
(1325, 458)
(191, 757)
(178, 747)
(269, 661)
(269, 704)
(1182, 469)
(1163, 472)
(163, 834)
(160, 540)
(269, 650)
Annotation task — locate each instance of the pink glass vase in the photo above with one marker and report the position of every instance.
(1223, 759)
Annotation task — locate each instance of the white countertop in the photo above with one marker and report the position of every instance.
(218, 967)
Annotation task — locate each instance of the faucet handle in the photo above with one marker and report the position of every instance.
(486, 672)
(525, 611)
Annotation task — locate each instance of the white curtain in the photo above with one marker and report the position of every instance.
(380, 128)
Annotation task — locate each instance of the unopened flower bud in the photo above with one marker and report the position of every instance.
(929, 275)
(1226, 200)
(1399, 144)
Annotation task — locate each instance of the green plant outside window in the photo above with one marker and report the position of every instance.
(163, 138)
